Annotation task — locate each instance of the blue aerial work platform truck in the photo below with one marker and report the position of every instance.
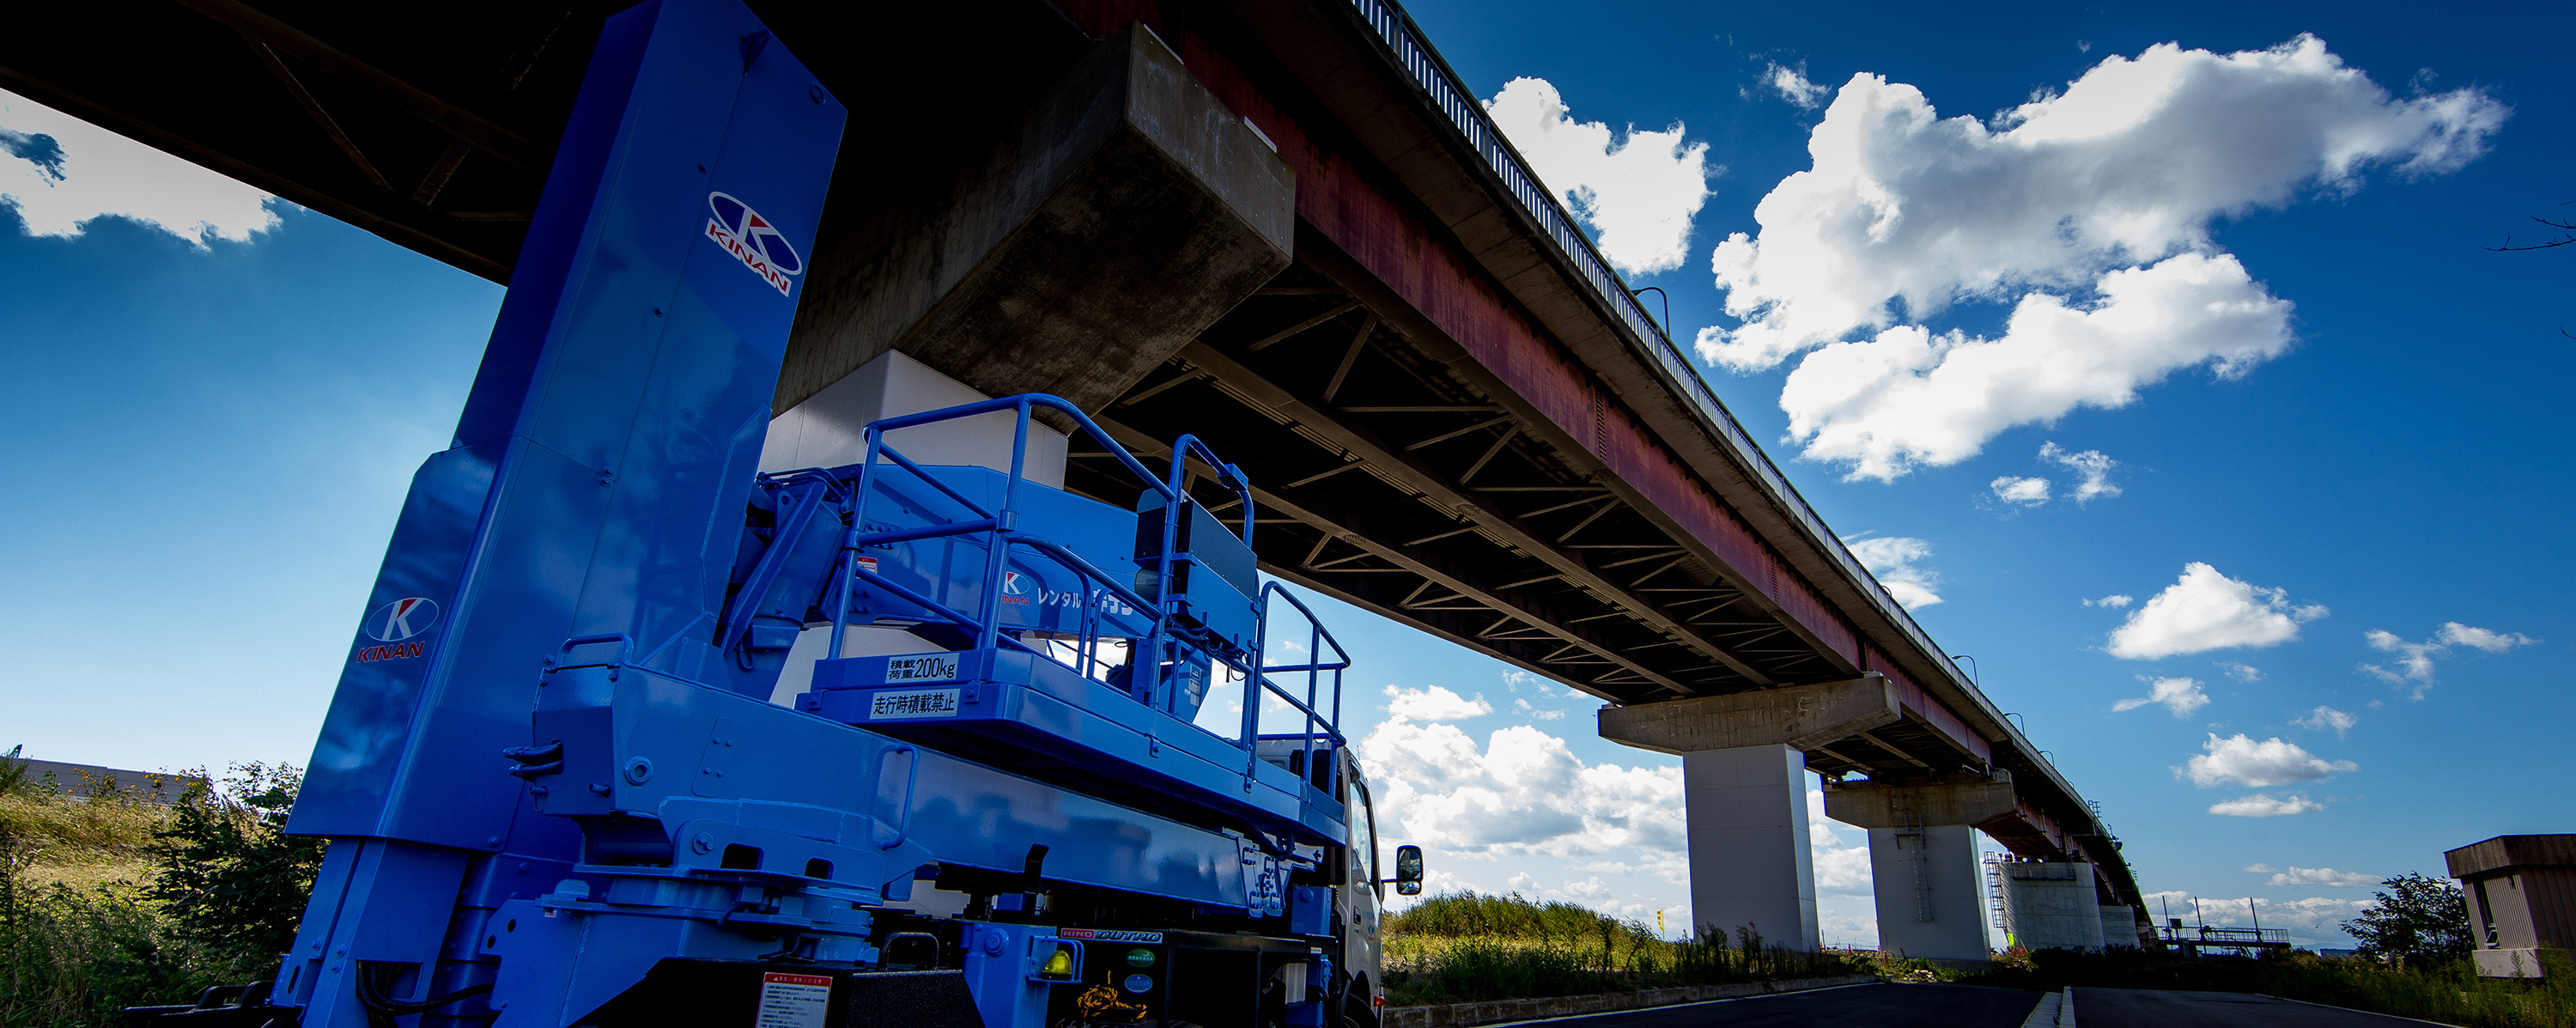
(556, 787)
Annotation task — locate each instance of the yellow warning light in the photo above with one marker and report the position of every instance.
(1059, 966)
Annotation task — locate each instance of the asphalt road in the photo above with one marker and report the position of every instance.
(1859, 1006)
(2139, 1008)
(1971, 1006)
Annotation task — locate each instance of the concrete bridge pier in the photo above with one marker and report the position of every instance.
(1923, 858)
(1744, 782)
(1749, 862)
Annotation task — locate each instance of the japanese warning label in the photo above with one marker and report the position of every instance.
(794, 1000)
(897, 705)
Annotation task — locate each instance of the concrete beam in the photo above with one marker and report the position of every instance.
(2030, 833)
(1129, 210)
(1802, 717)
(1954, 800)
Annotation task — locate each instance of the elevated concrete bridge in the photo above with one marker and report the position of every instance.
(1286, 226)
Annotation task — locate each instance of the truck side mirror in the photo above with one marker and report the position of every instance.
(1408, 870)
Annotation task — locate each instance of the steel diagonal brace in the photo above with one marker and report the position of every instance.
(1406, 561)
(1401, 467)
(810, 497)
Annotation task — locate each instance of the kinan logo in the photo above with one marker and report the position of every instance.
(1015, 590)
(395, 624)
(752, 240)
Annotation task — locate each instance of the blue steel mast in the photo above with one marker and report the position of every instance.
(594, 487)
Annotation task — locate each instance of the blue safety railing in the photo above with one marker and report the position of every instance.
(1001, 539)
(1317, 637)
(1000, 529)
(1448, 94)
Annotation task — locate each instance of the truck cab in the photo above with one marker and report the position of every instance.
(1359, 886)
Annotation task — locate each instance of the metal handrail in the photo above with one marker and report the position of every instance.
(2221, 934)
(1450, 96)
(996, 525)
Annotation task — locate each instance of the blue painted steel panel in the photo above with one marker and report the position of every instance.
(643, 380)
(1038, 591)
(959, 811)
(366, 733)
(997, 970)
(1017, 707)
(598, 483)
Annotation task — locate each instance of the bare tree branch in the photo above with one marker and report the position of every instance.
(2566, 229)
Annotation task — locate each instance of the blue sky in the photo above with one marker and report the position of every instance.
(213, 406)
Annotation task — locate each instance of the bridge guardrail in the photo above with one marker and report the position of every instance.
(1404, 39)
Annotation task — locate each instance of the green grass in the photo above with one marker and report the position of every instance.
(2450, 993)
(106, 901)
(1468, 947)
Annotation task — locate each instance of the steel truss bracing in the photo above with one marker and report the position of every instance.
(1387, 477)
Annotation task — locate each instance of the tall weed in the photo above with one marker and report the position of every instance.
(171, 900)
(1467, 947)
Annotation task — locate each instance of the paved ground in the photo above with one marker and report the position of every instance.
(2138, 1008)
(1860, 1006)
(1970, 1006)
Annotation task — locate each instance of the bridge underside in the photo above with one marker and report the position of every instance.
(1389, 474)
(1392, 475)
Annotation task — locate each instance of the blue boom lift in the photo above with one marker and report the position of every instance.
(555, 786)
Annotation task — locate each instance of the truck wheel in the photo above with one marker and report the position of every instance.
(1356, 1012)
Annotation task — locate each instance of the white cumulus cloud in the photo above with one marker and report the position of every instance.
(1840, 867)
(1792, 84)
(1639, 191)
(2205, 610)
(2415, 659)
(2325, 876)
(2263, 804)
(60, 173)
(1892, 559)
(2328, 719)
(2315, 920)
(1531, 711)
(2092, 469)
(1432, 703)
(2020, 492)
(2089, 211)
(2114, 601)
(2454, 633)
(2239, 760)
(2179, 695)
(1524, 793)
(2242, 672)
(1911, 397)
